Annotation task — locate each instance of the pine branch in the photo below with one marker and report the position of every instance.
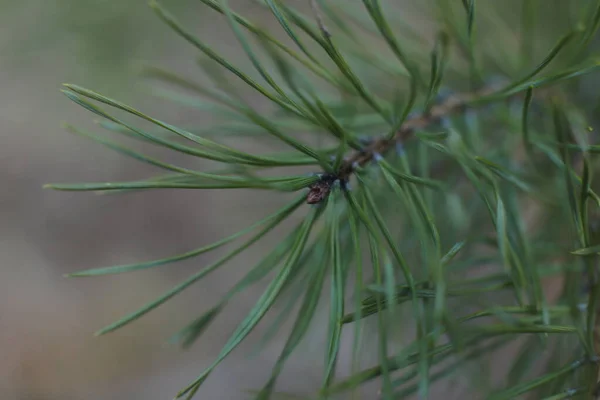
(471, 265)
(454, 104)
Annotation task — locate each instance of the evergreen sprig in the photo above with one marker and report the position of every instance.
(451, 177)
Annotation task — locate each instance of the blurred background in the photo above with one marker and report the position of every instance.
(47, 348)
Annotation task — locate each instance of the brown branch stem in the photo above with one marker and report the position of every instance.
(452, 105)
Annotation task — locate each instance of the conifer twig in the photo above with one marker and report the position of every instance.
(381, 146)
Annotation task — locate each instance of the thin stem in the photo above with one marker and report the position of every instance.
(452, 105)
